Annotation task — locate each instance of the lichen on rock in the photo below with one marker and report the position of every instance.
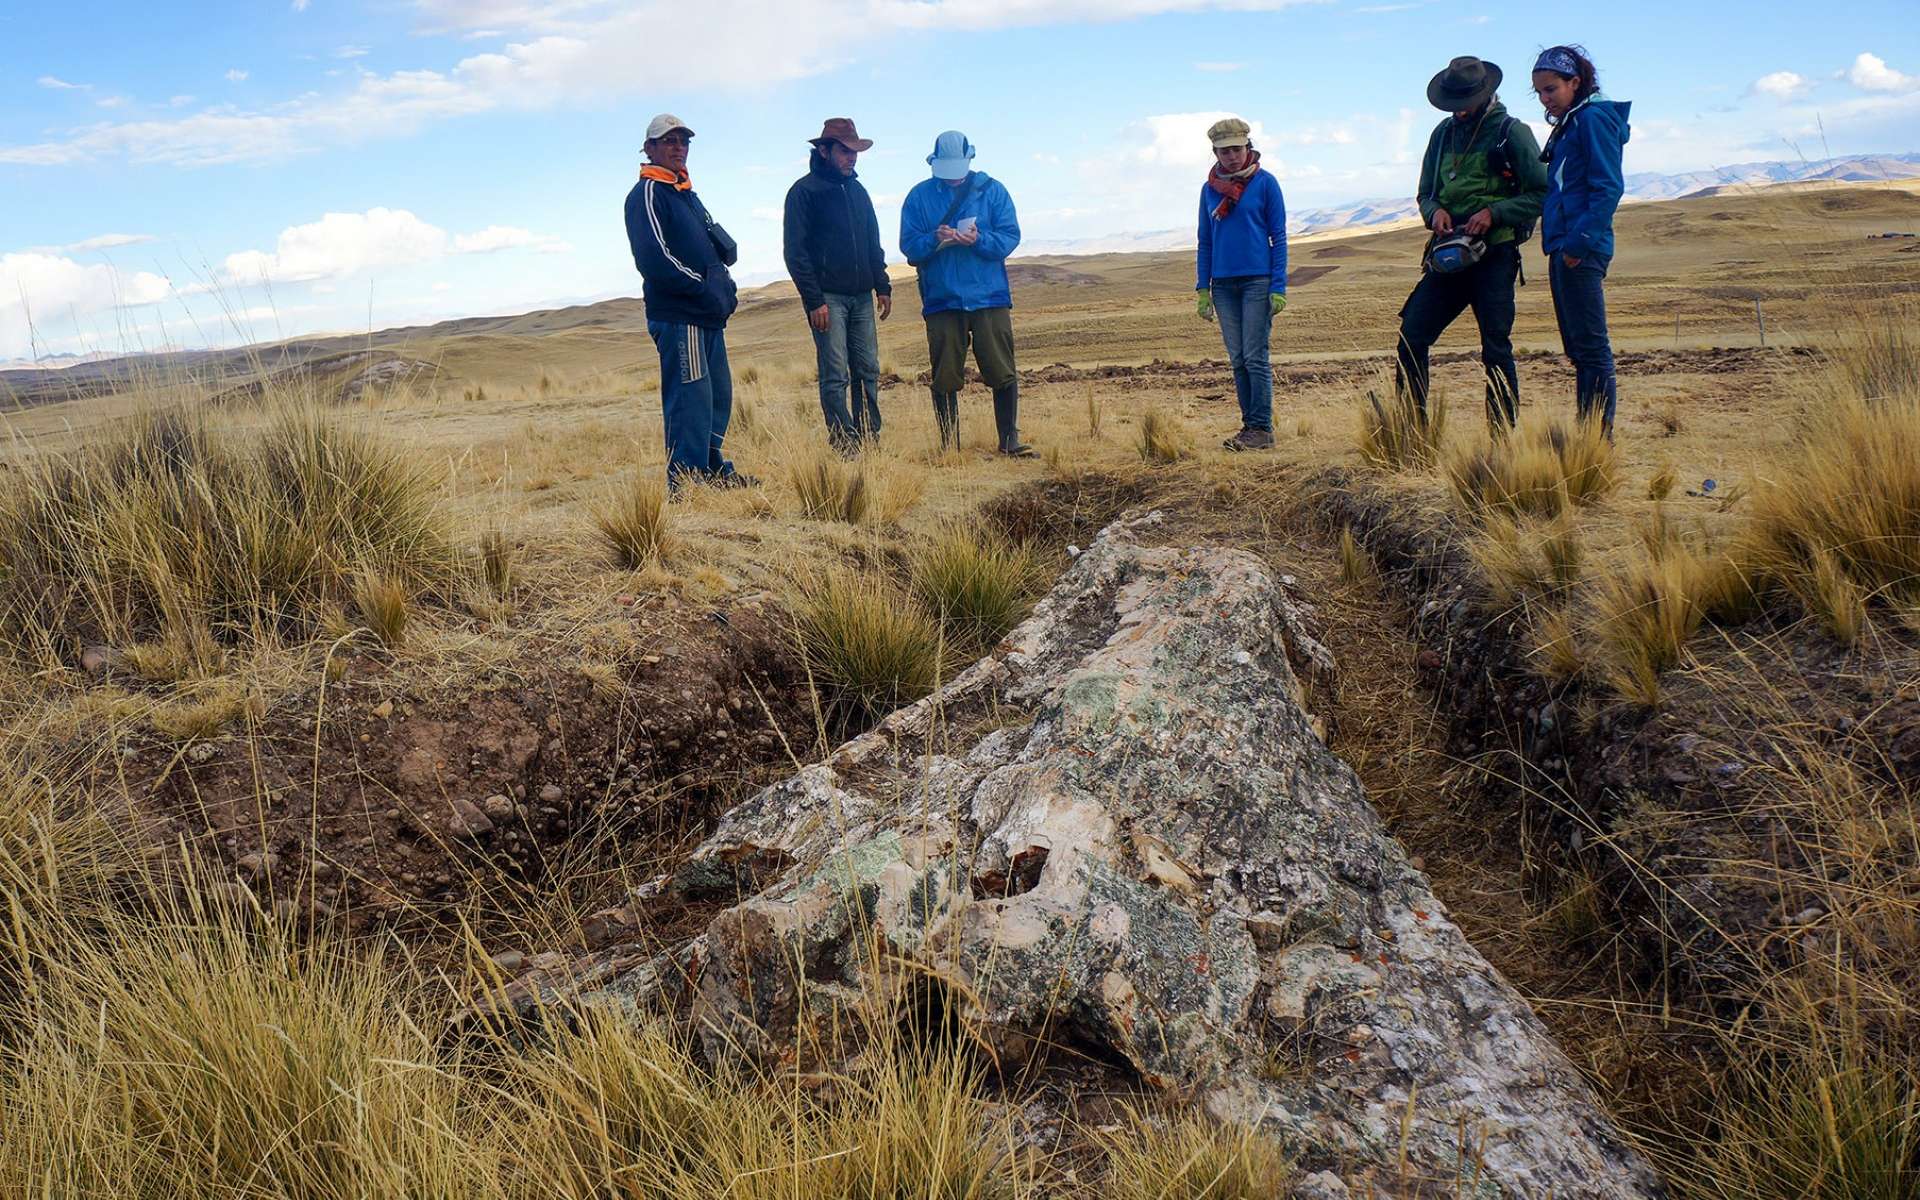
(1151, 854)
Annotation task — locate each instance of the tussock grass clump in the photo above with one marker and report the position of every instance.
(634, 524)
(1542, 469)
(1663, 482)
(831, 489)
(211, 1063)
(977, 584)
(1163, 437)
(1520, 560)
(870, 647)
(1194, 1158)
(167, 522)
(1356, 565)
(1846, 503)
(620, 1102)
(385, 607)
(497, 563)
(1642, 612)
(1812, 1129)
(1399, 434)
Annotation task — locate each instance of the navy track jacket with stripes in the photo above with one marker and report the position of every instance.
(684, 281)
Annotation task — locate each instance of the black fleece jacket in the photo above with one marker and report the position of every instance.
(832, 237)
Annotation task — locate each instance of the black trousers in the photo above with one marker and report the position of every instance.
(1486, 288)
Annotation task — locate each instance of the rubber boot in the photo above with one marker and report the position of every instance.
(946, 414)
(1006, 421)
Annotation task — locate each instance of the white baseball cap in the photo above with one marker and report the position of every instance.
(664, 124)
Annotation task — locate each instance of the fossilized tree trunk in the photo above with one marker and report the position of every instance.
(1124, 832)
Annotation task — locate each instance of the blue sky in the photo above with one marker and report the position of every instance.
(189, 172)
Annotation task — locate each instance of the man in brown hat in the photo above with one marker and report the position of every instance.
(1481, 187)
(834, 256)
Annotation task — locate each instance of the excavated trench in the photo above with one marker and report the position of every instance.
(379, 803)
(1074, 851)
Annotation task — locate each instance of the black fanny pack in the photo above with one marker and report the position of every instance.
(1455, 253)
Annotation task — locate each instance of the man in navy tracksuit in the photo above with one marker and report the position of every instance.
(689, 296)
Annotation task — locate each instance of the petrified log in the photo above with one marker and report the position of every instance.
(1123, 832)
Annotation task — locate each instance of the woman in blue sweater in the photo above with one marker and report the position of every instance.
(1585, 181)
(1242, 271)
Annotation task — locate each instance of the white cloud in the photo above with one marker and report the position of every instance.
(505, 237)
(108, 241)
(340, 245)
(1782, 85)
(39, 290)
(1870, 73)
(299, 5)
(61, 85)
(236, 75)
(351, 52)
(575, 52)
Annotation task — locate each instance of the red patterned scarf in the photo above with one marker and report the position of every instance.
(1231, 187)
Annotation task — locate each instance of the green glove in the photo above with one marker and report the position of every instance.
(1279, 303)
(1204, 305)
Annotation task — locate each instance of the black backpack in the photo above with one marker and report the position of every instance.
(1501, 160)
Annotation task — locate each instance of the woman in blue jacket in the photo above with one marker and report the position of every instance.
(1585, 181)
(1242, 271)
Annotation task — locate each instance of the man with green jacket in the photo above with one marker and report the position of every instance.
(1481, 187)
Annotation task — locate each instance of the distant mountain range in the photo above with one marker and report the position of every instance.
(1372, 214)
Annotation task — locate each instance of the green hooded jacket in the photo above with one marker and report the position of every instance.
(1458, 173)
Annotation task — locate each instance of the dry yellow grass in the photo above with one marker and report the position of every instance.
(1399, 433)
(1544, 469)
(514, 443)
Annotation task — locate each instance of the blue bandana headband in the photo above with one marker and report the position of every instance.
(1560, 61)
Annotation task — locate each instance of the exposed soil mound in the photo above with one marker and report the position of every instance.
(385, 795)
(336, 378)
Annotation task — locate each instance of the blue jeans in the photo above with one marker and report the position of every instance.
(1580, 304)
(696, 399)
(1246, 321)
(849, 352)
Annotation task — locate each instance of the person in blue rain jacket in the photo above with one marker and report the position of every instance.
(1585, 181)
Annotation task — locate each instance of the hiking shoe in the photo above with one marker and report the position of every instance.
(1250, 439)
(734, 479)
(1017, 450)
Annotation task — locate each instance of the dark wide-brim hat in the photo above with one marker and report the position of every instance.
(1464, 85)
(840, 129)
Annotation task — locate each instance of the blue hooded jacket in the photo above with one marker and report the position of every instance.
(1251, 241)
(1585, 179)
(960, 278)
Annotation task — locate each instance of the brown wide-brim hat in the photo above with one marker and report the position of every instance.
(1464, 85)
(840, 129)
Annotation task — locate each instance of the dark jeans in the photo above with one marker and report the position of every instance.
(1437, 300)
(1580, 304)
(1246, 323)
(696, 399)
(849, 353)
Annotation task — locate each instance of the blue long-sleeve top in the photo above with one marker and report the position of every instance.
(960, 278)
(1251, 240)
(1585, 179)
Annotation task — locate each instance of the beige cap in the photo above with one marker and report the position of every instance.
(665, 124)
(1230, 132)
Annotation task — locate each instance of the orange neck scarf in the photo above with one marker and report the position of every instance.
(680, 181)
